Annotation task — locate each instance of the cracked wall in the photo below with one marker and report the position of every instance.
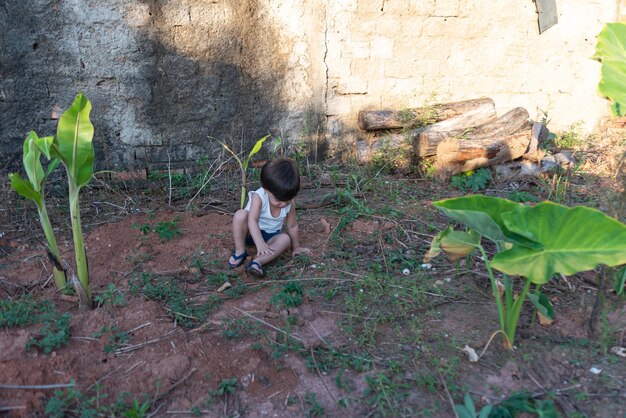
(167, 78)
(399, 54)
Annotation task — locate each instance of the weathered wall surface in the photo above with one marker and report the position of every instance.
(397, 54)
(169, 77)
(166, 78)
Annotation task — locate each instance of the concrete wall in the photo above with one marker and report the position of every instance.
(169, 77)
(395, 54)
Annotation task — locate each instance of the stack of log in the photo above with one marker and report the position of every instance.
(461, 136)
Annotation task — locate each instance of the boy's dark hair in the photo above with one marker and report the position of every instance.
(281, 178)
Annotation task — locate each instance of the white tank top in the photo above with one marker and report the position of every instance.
(267, 222)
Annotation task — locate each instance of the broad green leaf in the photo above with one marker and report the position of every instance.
(483, 214)
(613, 85)
(545, 409)
(469, 404)
(24, 188)
(455, 244)
(435, 246)
(573, 239)
(611, 44)
(255, 149)
(31, 161)
(611, 52)
(462, 412)
(45, 145)
(542, 304)
(52, 166)
(459, 244)
(258, 145)
(73, 141)
(485, 412)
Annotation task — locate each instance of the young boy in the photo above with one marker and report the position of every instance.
(260, 223)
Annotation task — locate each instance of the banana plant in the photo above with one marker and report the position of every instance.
(243, 166)
(73, 146)
(535, 242)
(33, 187)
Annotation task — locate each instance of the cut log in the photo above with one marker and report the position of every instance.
(373, 120)
(459, 155)
(539, 133)
(366, 150)
(475, 125)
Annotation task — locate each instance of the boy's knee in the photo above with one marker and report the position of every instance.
(241, 216)
(286, 237)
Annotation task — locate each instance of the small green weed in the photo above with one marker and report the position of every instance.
(314, 407)
(18, 312)
(72, 402)
(386, 395)
(571, 138)
(145, 228)
(115, 340)
(468, 409)
(169, 291)
(166, 230)
(556, 187)
(240, 328)
(54, 332)
(472, 180)
(226, 386)
(55, 327)
(521, 197)
(290, 296)
(520, 402)
(111, 295)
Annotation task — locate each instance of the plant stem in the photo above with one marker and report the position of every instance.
(59, 275)
(244, 187)
(79, 246)
(494, 288)
(512, 316)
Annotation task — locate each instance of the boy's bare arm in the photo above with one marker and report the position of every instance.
(253, 226)
(294, 232)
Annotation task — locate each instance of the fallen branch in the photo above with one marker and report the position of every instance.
(128, 349)
(269, 325)
(38, 387)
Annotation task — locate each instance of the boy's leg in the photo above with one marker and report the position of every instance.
(240, 230)
(279, 244)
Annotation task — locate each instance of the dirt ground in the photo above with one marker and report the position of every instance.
(182, 365)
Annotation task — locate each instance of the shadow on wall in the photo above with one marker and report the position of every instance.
(207, 83)
(160, 89)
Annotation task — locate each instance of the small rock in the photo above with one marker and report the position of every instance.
(595, 370)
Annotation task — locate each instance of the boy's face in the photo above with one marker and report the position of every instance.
(276, 202)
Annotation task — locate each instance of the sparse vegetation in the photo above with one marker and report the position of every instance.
(471, 180)
(379, 331)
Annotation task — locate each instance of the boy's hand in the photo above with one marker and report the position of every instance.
(265, 251)
(300, 250)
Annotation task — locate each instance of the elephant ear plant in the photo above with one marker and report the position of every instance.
(72, 145)
(611, 52)
(535, 242)
(32, 188)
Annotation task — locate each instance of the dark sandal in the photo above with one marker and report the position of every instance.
(255, 271)
(240, 259)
